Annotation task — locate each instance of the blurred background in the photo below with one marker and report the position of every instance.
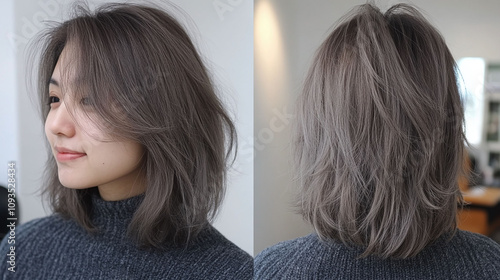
(286, 35)
(222, 30)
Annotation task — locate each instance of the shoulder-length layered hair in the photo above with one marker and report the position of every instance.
(142, 77)
(379, 141)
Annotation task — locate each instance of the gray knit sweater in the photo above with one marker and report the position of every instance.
(56, 248)
(466, 256)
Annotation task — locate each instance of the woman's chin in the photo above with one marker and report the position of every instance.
(71, 184)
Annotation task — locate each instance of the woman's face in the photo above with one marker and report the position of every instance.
(83, 159)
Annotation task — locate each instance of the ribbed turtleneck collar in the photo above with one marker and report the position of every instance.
(113, 215)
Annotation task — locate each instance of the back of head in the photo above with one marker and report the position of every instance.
(379, 139)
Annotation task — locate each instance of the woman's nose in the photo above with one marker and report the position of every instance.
(60, 122)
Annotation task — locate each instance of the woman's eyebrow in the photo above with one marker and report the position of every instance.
(53, 81)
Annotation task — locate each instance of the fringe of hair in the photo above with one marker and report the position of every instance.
(144, 81)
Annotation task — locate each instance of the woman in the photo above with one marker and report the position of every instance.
(139, 144)
(379, 147)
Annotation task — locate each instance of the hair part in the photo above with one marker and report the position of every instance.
(378, 140)
(142, 79)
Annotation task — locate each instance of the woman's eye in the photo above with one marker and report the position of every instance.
(53, 99)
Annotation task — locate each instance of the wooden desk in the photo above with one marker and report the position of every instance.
(484, 196)
(476, 219)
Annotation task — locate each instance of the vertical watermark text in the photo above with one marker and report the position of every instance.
(12, 217)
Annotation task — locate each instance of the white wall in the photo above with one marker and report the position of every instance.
(275, 50)
(226, 39)
(8, 119)
(223, 31)
(470, 28)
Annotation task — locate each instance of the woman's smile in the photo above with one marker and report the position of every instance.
(64, 154)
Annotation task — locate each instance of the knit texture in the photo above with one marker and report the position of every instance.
(466, 256)
(56, 248)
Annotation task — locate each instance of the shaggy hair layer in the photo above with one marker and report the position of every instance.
(142, 79)
(379, 139)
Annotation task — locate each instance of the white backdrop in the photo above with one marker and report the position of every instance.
(223, 30)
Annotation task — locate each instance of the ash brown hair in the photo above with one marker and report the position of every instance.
(379, 141)
(144, 81)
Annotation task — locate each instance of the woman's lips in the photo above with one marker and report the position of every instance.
(65, 154)
(68, 156)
